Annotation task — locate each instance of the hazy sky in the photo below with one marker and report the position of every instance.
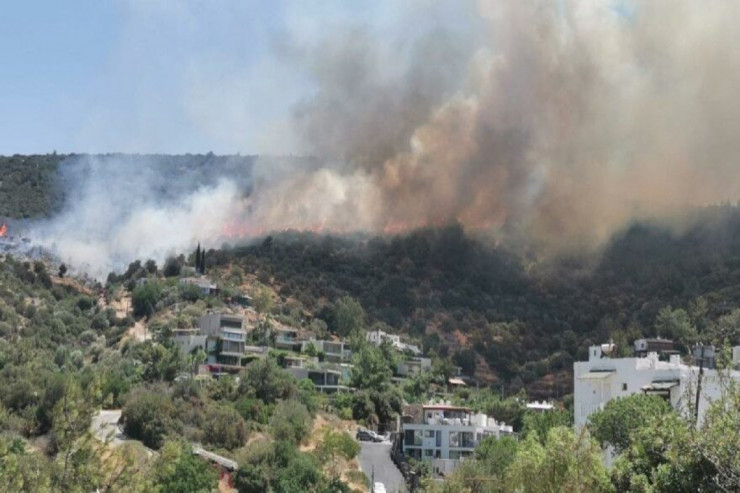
(158, 75)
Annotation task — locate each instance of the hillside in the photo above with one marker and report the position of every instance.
(498, 314)
(526, 323)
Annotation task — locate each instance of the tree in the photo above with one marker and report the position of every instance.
(198, 267)
(486, 473)
(62, 270)
(349, 316)
(263, 300)
(151, 266)
(370, 370)
(615, 424)
(727, 329)
(144, 299)
(78, 466)
(662, 457)
(266, 381)
(22, 469)
(335, 446)
(718, 441)
(149, 416)
(172, 267)
(291, 422)
(195, 358)
(567, 461)
(677, 325)
(223, 427)
(178, 469)
(497, 453)
(542, 423)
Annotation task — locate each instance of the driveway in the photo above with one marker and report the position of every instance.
(104, 427)
(376, 457)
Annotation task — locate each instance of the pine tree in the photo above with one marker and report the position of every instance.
(203, 261)
(197, 259)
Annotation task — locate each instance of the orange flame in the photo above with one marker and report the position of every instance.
(3, 230)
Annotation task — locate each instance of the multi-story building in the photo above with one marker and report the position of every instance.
(413, 365)
(287, 338)
(603, 378)
(444, 435)
(334, 351)
(326, 377)
(224, 339)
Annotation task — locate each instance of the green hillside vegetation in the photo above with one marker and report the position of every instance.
(65, 353)
(486, 309)
(27, 185)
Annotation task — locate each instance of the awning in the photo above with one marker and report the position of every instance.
(456, 381)
(660, 386)
(596, 375)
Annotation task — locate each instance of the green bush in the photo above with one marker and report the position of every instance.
(291, 422)
(148, 415)
(223, 427)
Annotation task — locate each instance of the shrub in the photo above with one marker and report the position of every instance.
(148, 415)
(291, 422)
(223, 427)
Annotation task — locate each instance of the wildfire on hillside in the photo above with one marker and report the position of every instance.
(3, 229)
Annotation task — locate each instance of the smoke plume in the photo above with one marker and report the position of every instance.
(120, 208)
(554, 123)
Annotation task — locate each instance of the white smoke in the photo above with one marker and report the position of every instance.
(119, 210)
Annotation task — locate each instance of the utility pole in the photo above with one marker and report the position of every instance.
(698, 385)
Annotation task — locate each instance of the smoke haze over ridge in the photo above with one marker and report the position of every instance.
(556, 123)
(559, 121)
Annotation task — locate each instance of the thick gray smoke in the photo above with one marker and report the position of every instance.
(557, 122)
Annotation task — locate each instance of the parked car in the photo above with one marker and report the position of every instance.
(365, 436)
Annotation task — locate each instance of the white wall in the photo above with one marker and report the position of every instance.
(631, 374)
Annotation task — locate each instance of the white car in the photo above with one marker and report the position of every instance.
(379, 488)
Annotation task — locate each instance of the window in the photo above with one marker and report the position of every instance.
(428, 452)
(624, 387)
(439, 439)
(412, 438)
(429, 434)
(408, 437)
(454, 439)
(467, 439)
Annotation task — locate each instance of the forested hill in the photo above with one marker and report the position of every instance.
(494, 313)
(525, 325)
(37, 185)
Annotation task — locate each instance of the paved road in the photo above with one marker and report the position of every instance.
(105, 427)
(386, 472)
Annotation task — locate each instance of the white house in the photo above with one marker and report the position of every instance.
(377, 337)
(448, 434)
(602, 378)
